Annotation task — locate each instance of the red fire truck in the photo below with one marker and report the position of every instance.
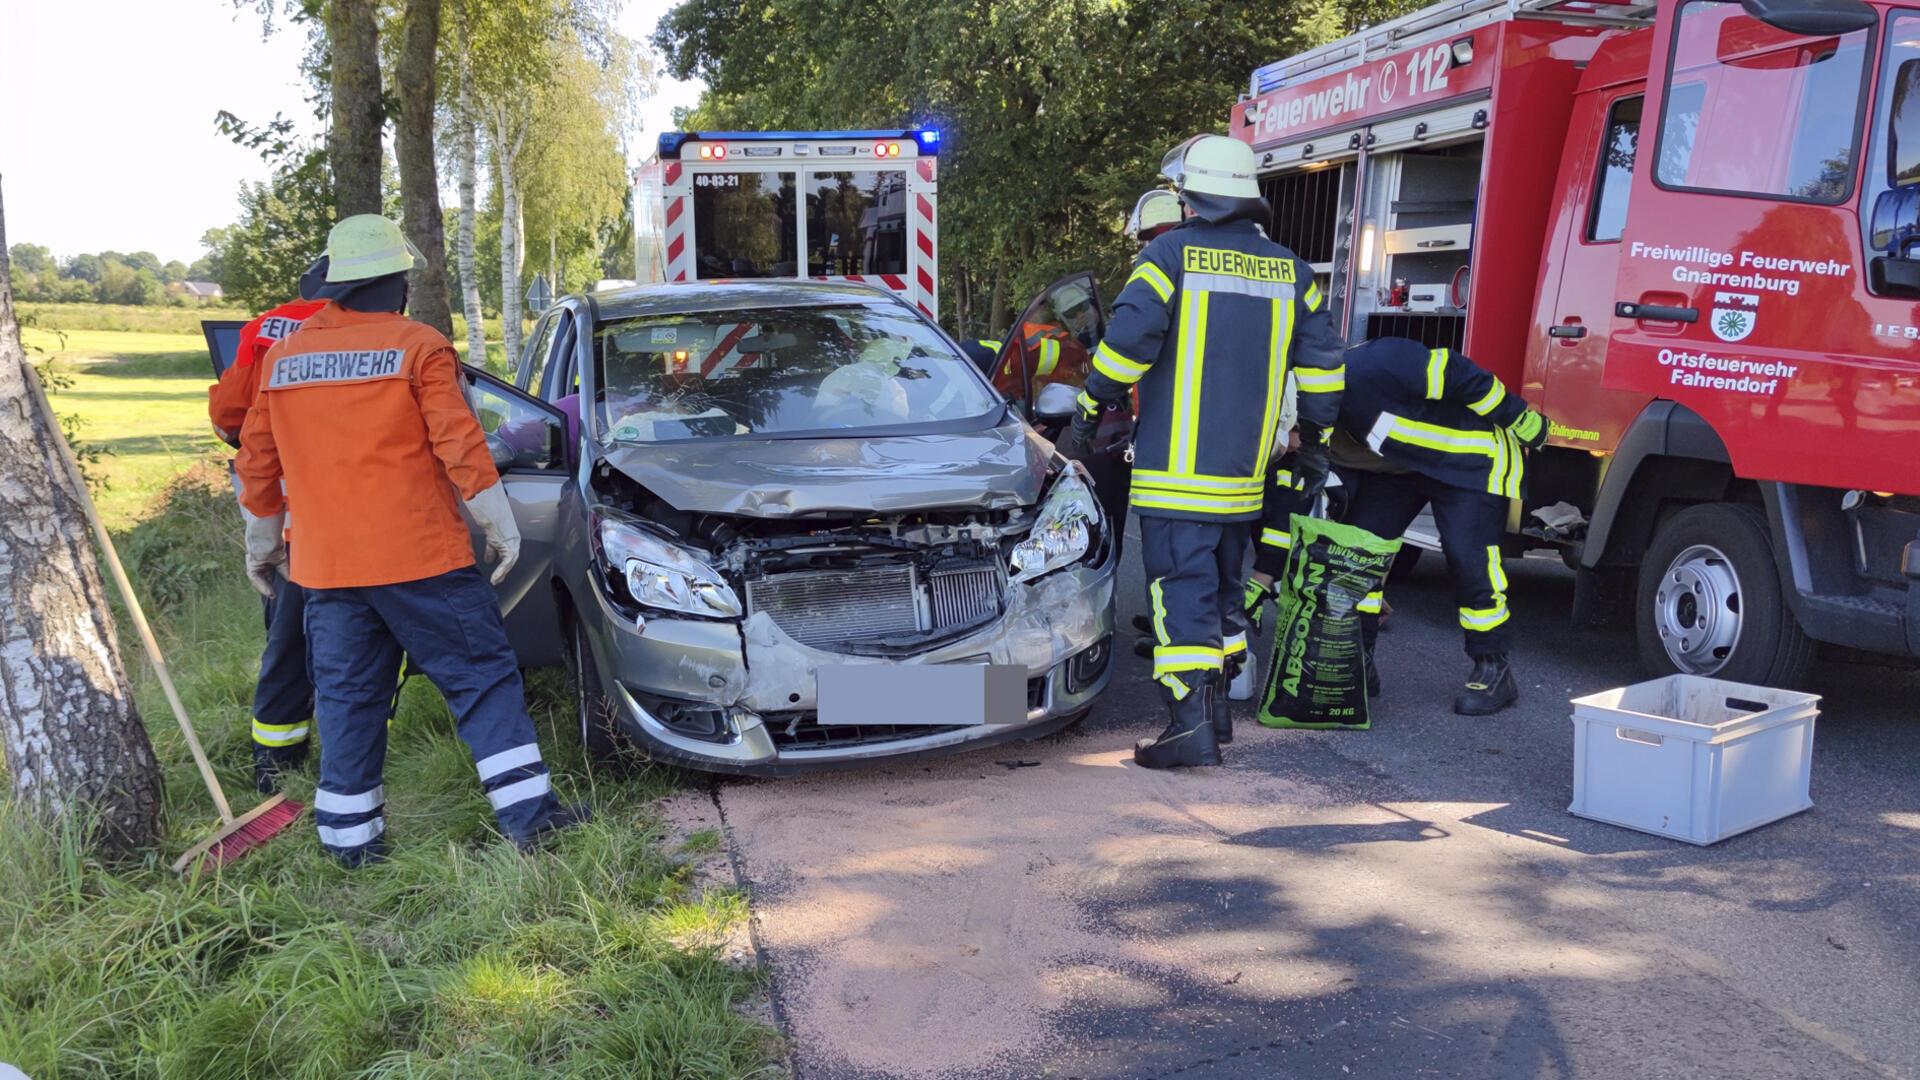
(829, 205)
(1720, 324)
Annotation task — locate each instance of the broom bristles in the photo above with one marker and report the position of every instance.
(257, 827)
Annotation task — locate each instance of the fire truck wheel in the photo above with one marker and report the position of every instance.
(1710, 602)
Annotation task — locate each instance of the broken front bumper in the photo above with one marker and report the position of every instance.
(754, 684)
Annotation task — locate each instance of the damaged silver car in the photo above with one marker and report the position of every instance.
(775, 525)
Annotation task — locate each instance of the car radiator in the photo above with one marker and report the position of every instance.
(825, 608)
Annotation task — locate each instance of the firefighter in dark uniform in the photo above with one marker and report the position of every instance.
(1208, 326)
(1419, 427)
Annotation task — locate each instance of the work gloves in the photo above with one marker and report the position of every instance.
(494, 515)
(1311, 464)
(1078, 437)
(266, 551)
(1254, 603)
(1530, 429)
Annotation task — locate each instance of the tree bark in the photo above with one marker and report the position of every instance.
(353, 141)
(419, 174)
(506, 153)
(72, 738)
(466, 133)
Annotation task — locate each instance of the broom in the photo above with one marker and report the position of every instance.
(237, 835)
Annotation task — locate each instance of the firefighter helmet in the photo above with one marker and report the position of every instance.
(367, 246)
(1151, 216)
(1212, 165)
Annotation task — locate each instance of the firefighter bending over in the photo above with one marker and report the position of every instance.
(1208, 325)
(361, 414)
(1420, 426)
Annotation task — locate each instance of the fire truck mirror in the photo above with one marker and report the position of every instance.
(1813, 18)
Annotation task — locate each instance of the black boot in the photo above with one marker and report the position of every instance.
(566, 817)
(1490, 687)
(1373, 678)
(271, 766)
(1143, 624)
(1220, 708)
(1143, 648)
(1188, 739)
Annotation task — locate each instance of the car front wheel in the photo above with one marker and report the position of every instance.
(1710, 601)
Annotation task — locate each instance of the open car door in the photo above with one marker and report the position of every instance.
(528, 440)
(1042, 366)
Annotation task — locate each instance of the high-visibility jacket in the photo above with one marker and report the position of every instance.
(1210, 322)
(229, 399)
(1435, 412)
(362, 415)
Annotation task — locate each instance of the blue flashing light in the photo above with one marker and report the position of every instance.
(930, 137)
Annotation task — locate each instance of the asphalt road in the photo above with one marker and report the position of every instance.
(1409, 901)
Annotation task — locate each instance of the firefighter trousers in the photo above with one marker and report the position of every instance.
(283, 695)
(1195, 573)
(450, 626)
(1470, 525)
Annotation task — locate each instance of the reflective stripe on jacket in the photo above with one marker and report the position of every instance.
(363, 416)
(1436, 412)
(1209, 324)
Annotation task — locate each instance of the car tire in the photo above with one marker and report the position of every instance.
(1710, 603)
(593, 712)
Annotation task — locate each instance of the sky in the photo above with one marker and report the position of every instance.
(106, 116)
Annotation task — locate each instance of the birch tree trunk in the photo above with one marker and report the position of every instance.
(419, 171)
(506, 155)
(353, 140)
(466, 134)
(72, 739)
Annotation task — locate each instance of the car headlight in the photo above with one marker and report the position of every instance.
(1063, 534)
(664, 575)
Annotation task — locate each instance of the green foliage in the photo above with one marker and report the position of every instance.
(283, 226)
(460, 957)
(1056, 112)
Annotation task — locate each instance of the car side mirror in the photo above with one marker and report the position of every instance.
(1812, 18)
(1895, 232)
(1055, 403)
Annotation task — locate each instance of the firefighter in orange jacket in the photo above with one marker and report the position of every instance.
(283, 693)
(362, 417)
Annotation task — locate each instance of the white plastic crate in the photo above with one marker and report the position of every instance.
(1692, 758)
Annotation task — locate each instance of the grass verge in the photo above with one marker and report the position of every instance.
(459, 957)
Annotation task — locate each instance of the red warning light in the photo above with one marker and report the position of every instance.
(719, 152)
(881, 149)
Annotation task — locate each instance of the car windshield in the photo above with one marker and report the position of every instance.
(778, 371)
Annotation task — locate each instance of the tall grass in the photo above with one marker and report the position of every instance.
(458, 957)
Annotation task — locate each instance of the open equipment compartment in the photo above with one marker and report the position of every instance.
(1420, 216)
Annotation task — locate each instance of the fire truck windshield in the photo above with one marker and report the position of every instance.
(1729, 68)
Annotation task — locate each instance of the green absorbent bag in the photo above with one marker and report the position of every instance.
(1317, 675)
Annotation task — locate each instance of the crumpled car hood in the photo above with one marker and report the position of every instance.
(996, 469)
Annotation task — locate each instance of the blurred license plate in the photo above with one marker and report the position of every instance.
(938, 695)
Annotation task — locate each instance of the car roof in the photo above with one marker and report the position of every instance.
(733, 295)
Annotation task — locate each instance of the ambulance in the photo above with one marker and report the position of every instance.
(855, 206)
(1689, 231)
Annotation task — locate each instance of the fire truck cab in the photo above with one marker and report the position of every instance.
(828, 205)
(1686, 231)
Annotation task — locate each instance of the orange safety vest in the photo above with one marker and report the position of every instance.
(362, 415)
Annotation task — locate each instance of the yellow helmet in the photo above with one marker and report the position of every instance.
(368, 246)
(1212, 165)
(1156, 210)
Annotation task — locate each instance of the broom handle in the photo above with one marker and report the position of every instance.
(147, 639)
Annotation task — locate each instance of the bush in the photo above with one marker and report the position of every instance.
(459, 957)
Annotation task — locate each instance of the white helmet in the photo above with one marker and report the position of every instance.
(1212, 165)
(1156, 210)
